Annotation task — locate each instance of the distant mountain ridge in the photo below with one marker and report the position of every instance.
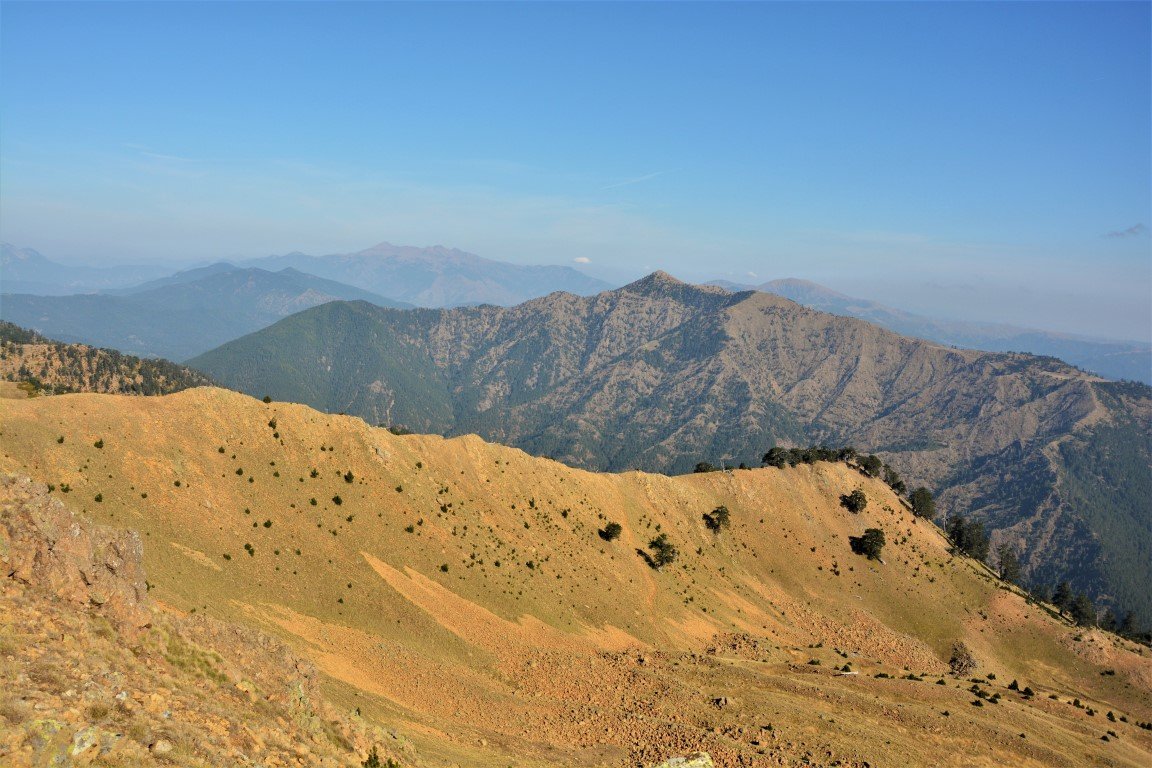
(660, 375)
(181, 315)
(24, 270)
(1128, 360)
(437, 276)
(44, 366)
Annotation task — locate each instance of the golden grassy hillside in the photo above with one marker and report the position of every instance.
(459, 592)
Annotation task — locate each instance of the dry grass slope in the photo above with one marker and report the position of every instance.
(459, 592)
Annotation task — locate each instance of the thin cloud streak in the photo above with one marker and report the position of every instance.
(636, 180)
(1136, 230)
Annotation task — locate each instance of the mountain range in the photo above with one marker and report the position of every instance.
(661, 375)
(24, 270)
(1128, 360)
(474, 605)
(437, 276)
(181, 315)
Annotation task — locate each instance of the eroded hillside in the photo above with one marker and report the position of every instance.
(462, 593)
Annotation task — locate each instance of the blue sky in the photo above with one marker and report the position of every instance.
(962, 159)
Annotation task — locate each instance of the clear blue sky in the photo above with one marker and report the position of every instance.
(965, 159)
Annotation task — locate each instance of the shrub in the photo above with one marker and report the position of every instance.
(854, 502)
(99, 443)
(611, 532)
(870, 544)
(718, 519)
(663, 551)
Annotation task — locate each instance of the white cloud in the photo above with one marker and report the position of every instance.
(582, 260)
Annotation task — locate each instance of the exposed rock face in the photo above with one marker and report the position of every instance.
(47, 547)
(699, 760)
(98, 676)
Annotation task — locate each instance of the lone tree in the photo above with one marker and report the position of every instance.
(663, 551)
(923, 505)
(869, 545)
(1062, 597)
(854, 502)
(1009, 563)
(704, 466)
(892, 478)
(1083, 610)
(718, 519)
(872, 465)
(611, 532)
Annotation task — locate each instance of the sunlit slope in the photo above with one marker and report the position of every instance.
(659, 375)
(460, 590)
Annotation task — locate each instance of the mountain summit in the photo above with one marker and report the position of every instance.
(661, 375)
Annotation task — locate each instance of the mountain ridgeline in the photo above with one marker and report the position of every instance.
(182, 315)
(1131, 360)
(437, 276)
(44, 366)
(660, 375)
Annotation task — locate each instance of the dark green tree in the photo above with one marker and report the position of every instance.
(923, 505)
(892, 478)
(969, 537)
(854, 502)
(663, 551)
(1062, 596)
(718, 519)
(872, 465)
(611, 532)
(1009, 563)
(1083, 611)
(704, 466)
(1109, 621)
(870, 544)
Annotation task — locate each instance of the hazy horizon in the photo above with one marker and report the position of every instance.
(974, 161)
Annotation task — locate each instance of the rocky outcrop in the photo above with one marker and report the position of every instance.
(699, 760)
(49, 548)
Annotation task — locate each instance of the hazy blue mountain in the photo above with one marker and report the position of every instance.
(1130, 360)
(23, 270)
(182, 315)
(438, 276)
